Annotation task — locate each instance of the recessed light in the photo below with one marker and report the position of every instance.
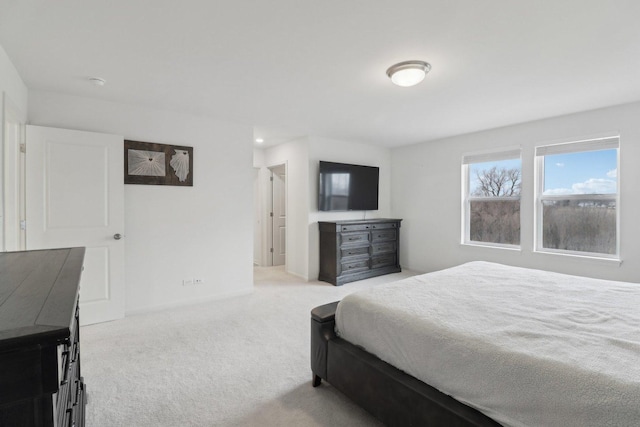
(259, 140)
(408, 73)
(97, 81)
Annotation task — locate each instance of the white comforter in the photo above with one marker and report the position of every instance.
(526, 347)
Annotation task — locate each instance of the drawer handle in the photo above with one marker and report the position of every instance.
(374, 226)
(66, 368)
(77, 395)
(368, 226)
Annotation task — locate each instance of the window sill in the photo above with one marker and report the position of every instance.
(582, 258)
(512, 248)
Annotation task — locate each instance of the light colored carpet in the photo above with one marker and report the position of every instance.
(243, 361)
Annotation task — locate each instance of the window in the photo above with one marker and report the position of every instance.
(492, 198)
(578, 198)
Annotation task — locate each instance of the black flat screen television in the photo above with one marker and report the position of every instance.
(345, 187)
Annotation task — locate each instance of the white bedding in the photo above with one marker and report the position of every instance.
(526, 347)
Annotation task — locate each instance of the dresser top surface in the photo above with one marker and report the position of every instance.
(38, 293)
(361, 221)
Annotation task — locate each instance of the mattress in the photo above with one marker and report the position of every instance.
(525, 347)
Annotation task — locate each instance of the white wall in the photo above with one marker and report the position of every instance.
(260, 208)
(13, 116)
(12, 86)
(294, 155)
(426, 194)
(257, 217)
(343, 152)
(172, 233)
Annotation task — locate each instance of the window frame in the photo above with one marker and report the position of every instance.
(580, 146)
(508, 153)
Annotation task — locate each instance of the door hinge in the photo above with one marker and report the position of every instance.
(271, 214)
(271, 250)
(23, 225)
(23, 147)
(271, 179)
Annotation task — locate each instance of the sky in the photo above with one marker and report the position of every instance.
(587, 172)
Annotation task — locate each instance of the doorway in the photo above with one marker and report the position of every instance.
(12, 158)
(278, 215)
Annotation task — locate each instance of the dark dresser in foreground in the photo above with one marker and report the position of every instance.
(40, 379)
(358, 249)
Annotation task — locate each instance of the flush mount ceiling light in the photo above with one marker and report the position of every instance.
(259, 140)
(97, 81)
(408, 73)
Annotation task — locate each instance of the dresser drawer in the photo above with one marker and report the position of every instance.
(384, 247)
(361, 251)
(380, 235)
(354, 266)
(356, 227)
(383, 225)
(353, 238)
(383, 261)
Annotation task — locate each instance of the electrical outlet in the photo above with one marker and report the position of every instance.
(187, 282)
(198, 281)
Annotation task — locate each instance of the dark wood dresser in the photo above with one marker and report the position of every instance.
(356, 250)
(40, 379)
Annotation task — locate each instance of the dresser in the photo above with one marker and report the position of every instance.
(356, 250)
(40, 378)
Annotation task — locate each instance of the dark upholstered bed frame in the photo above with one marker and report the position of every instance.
(392, 396)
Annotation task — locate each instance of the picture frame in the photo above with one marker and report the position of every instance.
(150, 163)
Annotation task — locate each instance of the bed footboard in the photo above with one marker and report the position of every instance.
(392, 396)
(322, 331)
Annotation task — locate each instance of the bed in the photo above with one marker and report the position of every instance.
(484, 344)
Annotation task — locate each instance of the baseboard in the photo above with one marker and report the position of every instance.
(190, 301)
(299, 276)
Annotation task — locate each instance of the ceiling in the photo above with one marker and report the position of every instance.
(301, 67)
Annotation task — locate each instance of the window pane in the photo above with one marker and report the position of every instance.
(580, 225)
(588, 172)
(495, 179)
(495, 221)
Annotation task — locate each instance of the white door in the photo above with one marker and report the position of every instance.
(279, 215)
(75, 197)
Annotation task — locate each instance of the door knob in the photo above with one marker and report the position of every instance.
(117, 236)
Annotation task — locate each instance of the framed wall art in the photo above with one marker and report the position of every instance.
(157, 164)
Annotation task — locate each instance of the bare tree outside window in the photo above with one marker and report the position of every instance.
(494, 203)
(498, 182)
